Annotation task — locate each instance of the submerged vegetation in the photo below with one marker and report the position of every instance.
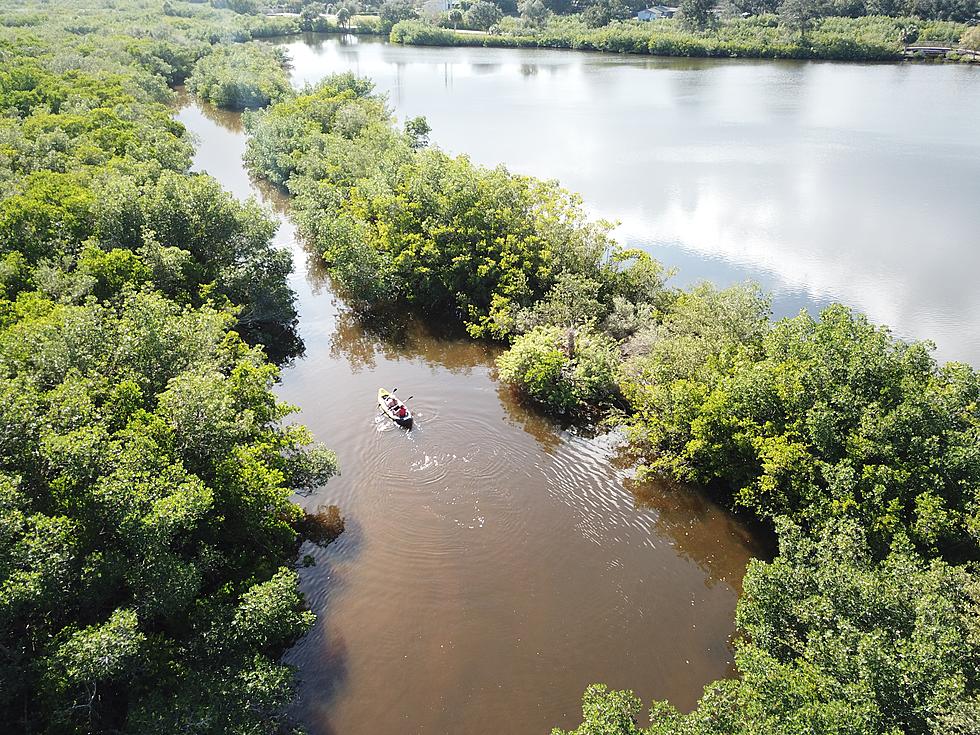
(859, 449)
(147, 537)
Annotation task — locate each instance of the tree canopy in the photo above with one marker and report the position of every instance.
(147, 536)
(241, 76)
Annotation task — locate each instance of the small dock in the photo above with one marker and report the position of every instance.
(939, 51)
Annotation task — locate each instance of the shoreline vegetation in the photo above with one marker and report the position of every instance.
(148, 540)
(766, 36)
(870, 38)
(837, 30)
(860, 450)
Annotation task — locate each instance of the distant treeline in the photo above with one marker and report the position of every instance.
(860, 30)
(861, 451)
(147, 537)
(595, 13)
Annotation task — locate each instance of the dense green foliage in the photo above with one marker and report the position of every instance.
(403, 224)
(763, 36)
(145, 485)
(420, 33)
(395, 11)
(971, 39)
(560, 368)
(97, 199)
(147, 536)
(482, 15)
(241, 76)
(698, 14)
(819, 419)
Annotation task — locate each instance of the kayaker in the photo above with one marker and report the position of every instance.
(402, 412)
(391, 401)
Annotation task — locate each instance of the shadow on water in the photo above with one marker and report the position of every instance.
(546, 432)
(324, 646)
(230, 120)
(281, 342)
(321, 657)
(696, 525)
(484, 68)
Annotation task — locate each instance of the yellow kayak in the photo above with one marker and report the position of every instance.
(394, 412)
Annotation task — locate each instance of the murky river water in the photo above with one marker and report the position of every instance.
(494, 565)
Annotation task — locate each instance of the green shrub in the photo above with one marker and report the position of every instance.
(368, 24)
(817, 419)
(971, 39)
(562, 369)
(238, 77)
(866, 38)
(419, 33)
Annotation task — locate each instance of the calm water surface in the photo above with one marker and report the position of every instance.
(493, 565)
(823, 182)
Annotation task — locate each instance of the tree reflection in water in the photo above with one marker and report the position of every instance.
(700, 528)
(518, 413)
(361, 339)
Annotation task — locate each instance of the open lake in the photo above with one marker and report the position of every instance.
(824, 182)
(494, 565)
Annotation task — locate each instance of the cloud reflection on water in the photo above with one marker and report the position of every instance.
(825, 182)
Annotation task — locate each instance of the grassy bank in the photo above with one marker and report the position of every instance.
(872, 38)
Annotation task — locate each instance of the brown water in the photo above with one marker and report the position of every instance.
(493, 565)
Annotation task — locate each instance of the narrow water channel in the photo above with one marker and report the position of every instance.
(493, 565)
